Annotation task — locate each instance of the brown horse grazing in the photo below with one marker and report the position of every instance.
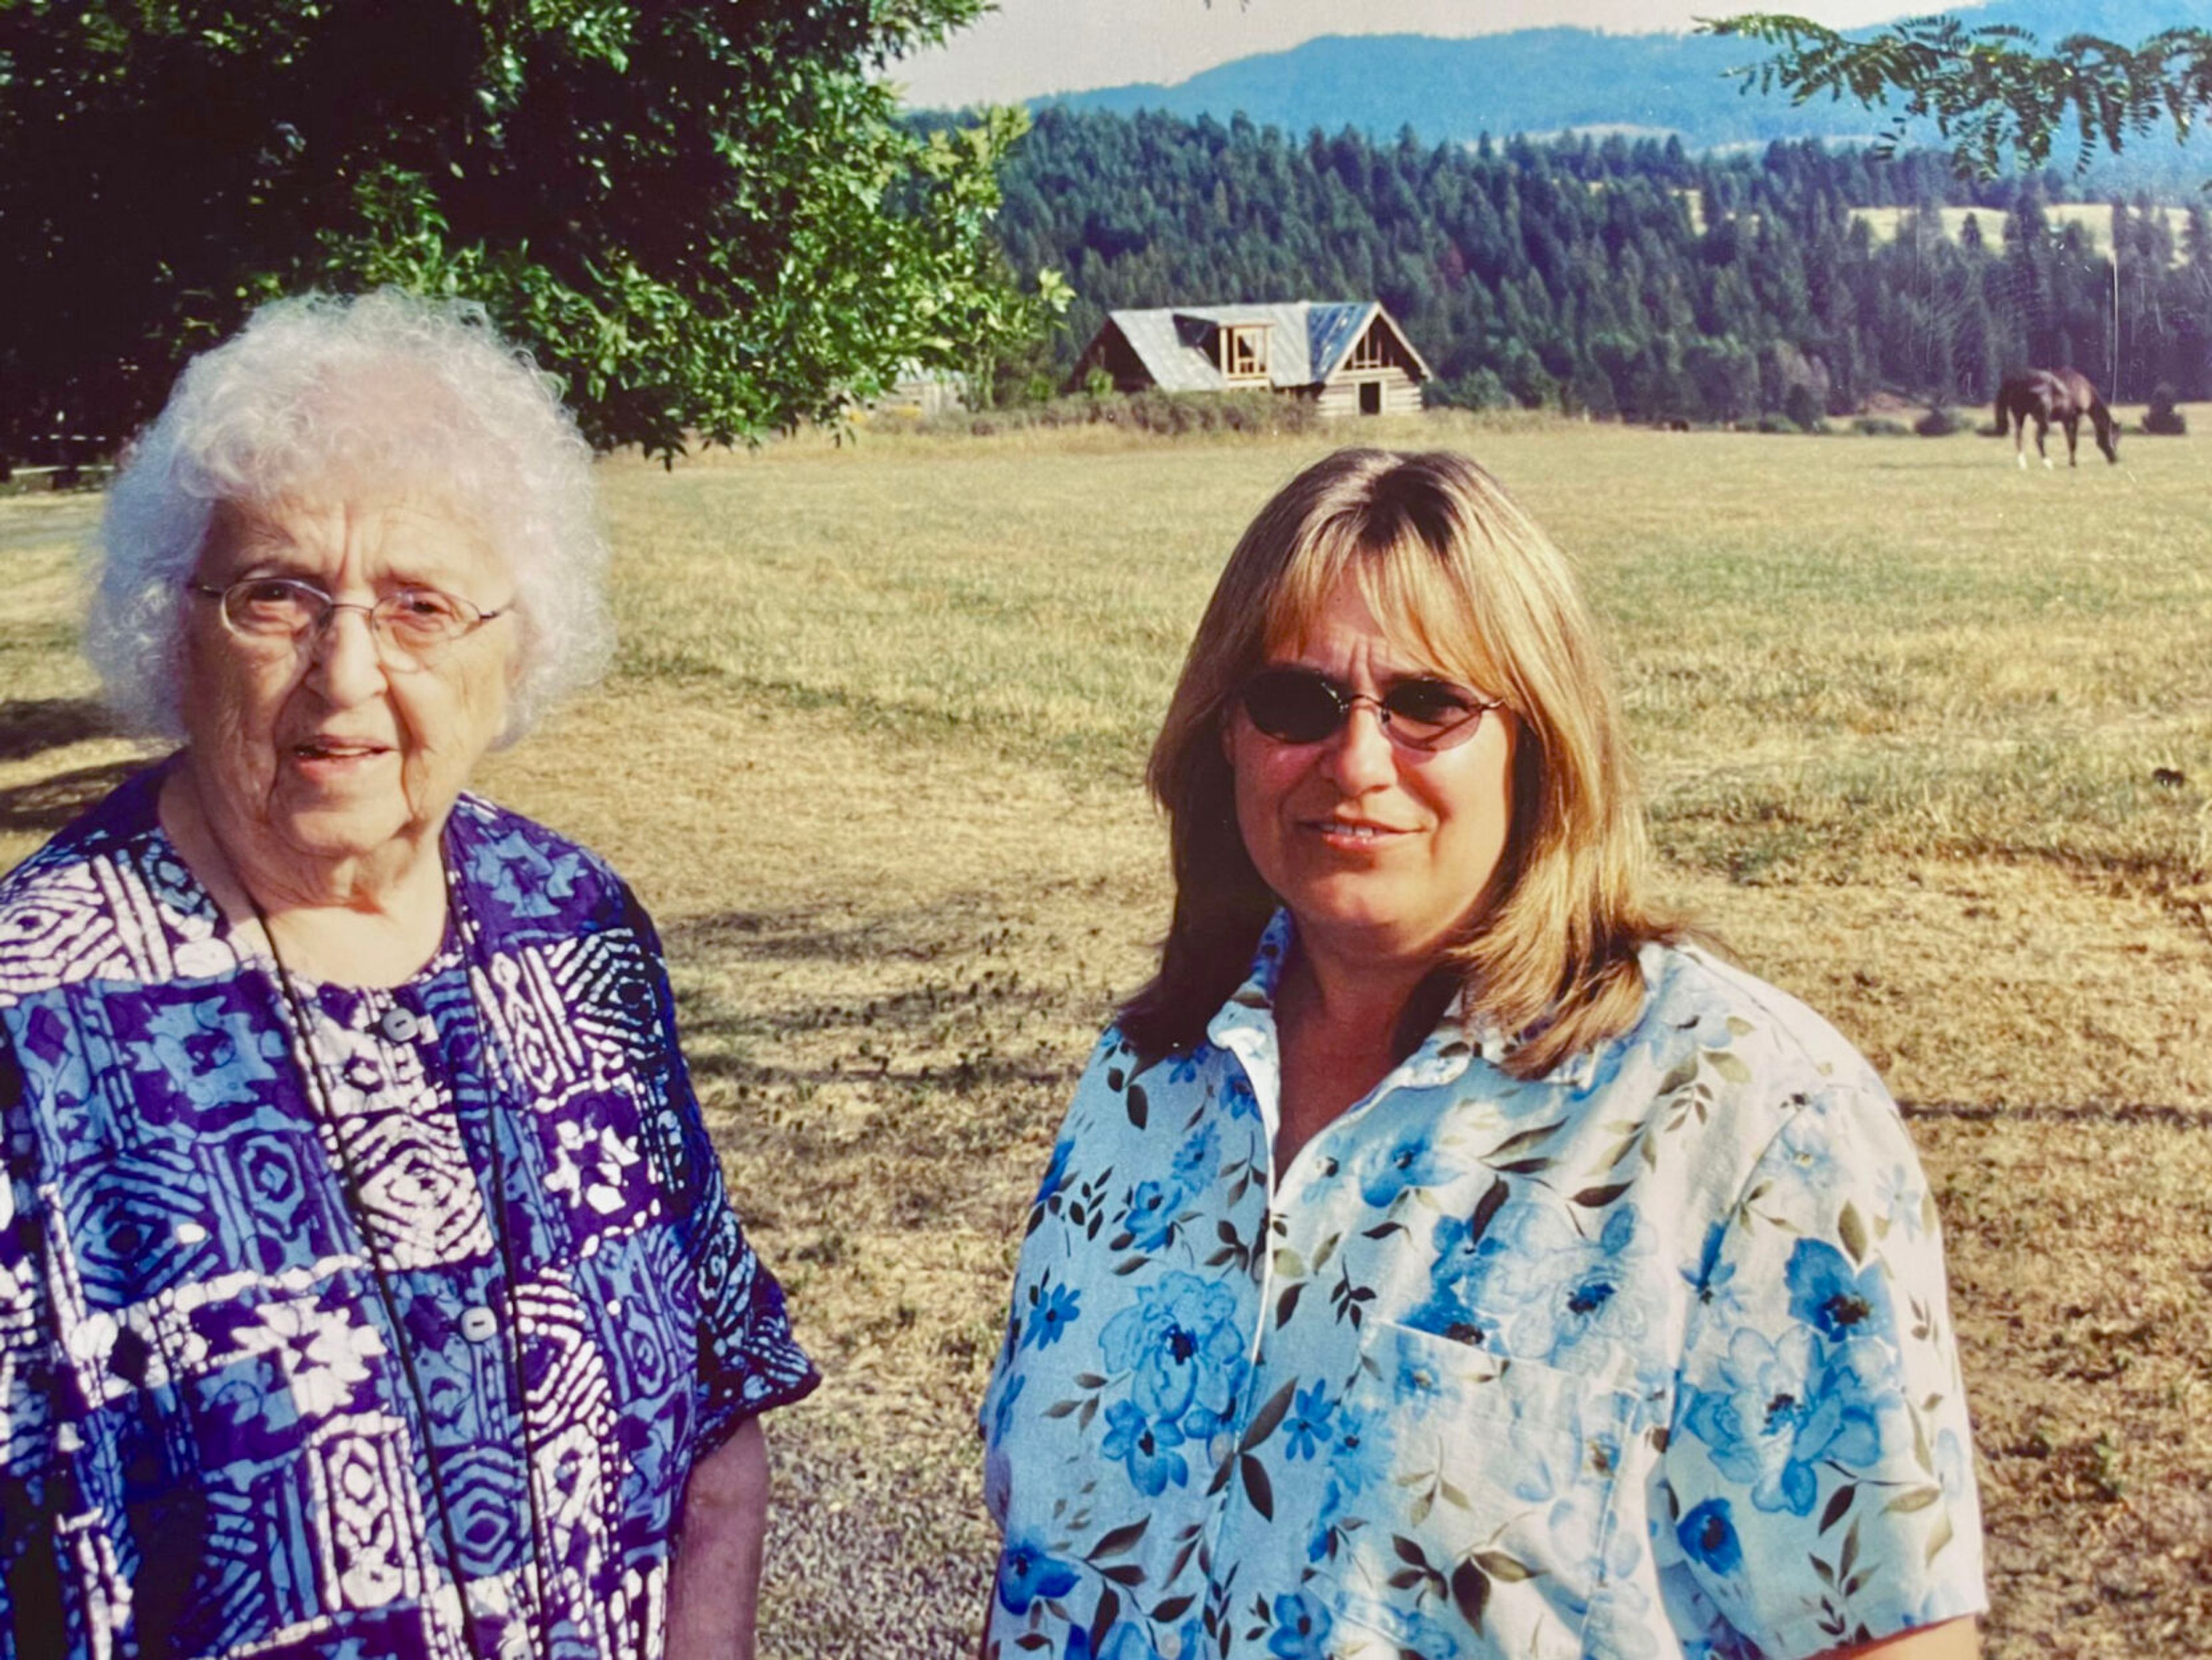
(2047, 395)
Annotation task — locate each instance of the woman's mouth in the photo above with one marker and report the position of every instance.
(335, 752)
(1355, 833)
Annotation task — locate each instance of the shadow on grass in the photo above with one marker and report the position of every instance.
(44, 806)
(919, 1011)
(32, 725)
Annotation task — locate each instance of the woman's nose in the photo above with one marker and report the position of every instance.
(1361, 754)
(345, 661)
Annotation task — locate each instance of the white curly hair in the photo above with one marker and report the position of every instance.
(321, 391)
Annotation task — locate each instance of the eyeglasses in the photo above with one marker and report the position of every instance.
(410, 625)
(1304, 706)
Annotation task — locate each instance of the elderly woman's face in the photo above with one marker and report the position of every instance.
(1380, 850)
(336, 743)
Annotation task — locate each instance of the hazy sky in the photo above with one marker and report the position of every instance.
(1029, 47)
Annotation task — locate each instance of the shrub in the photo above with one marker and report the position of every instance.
(1938, 423)
(1478, 389)
(1170, 414)
(1880, 426)
(2163, 420)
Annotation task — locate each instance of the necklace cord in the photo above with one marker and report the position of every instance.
(319, 1087)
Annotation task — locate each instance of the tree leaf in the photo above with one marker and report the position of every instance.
(1938, 1536)
(1486, 1208)
(1120, 1540)
(1525, 1139)
(1104, 1616)
(1470, 1593)
(1257, 1488)
(1598, 1198)
(1499, 1565)
(1264, 1420)
(1139, 1106)
(1850, 1228)
(1839, 1501)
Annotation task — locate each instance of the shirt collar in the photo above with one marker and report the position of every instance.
(1245, 1026)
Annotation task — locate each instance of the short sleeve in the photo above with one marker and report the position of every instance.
(31, 1620)
(749, 1361)
(1819, 1469)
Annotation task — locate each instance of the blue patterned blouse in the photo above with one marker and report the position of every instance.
(1647, 1358)
(217, 1441)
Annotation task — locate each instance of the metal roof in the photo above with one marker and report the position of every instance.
(1307, 342)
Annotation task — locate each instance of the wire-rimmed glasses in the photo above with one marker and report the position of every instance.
(410, 625)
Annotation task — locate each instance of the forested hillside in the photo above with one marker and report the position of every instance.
(1552, 80)
(1618, 278)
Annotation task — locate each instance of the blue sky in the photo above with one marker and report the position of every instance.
(1031, 47)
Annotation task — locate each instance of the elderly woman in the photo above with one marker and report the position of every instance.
(366, 1283)
(1441, 1258)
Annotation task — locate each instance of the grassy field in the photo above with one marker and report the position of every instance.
(2095, 220)
(1928, 738)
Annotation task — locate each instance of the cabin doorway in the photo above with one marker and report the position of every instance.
(1370, 397)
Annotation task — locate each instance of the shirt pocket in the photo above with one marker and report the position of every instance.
(1476, 1505)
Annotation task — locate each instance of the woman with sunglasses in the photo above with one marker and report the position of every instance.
(1442, 1256)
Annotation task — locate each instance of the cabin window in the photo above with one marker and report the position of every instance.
(1244, 351)
(1369, 353)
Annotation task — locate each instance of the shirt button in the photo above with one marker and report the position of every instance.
(479, 1324)
(398, 1025)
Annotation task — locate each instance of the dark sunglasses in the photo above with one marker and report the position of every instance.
(1304, 706)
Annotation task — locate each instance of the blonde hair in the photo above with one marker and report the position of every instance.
(1453, 568)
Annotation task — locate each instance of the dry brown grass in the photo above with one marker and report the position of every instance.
(871, 754)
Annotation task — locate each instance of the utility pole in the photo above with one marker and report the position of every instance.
(2112, 358)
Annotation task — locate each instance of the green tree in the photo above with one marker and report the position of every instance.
(1990, 91)
(706, 219)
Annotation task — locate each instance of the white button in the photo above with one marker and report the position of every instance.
(189, 1233)
(398, 1025)
(478, 1324)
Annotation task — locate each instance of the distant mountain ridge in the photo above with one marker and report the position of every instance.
(1546, 81)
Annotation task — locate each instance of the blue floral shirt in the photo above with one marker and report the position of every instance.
(1649, 1357)
(214, 1439)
